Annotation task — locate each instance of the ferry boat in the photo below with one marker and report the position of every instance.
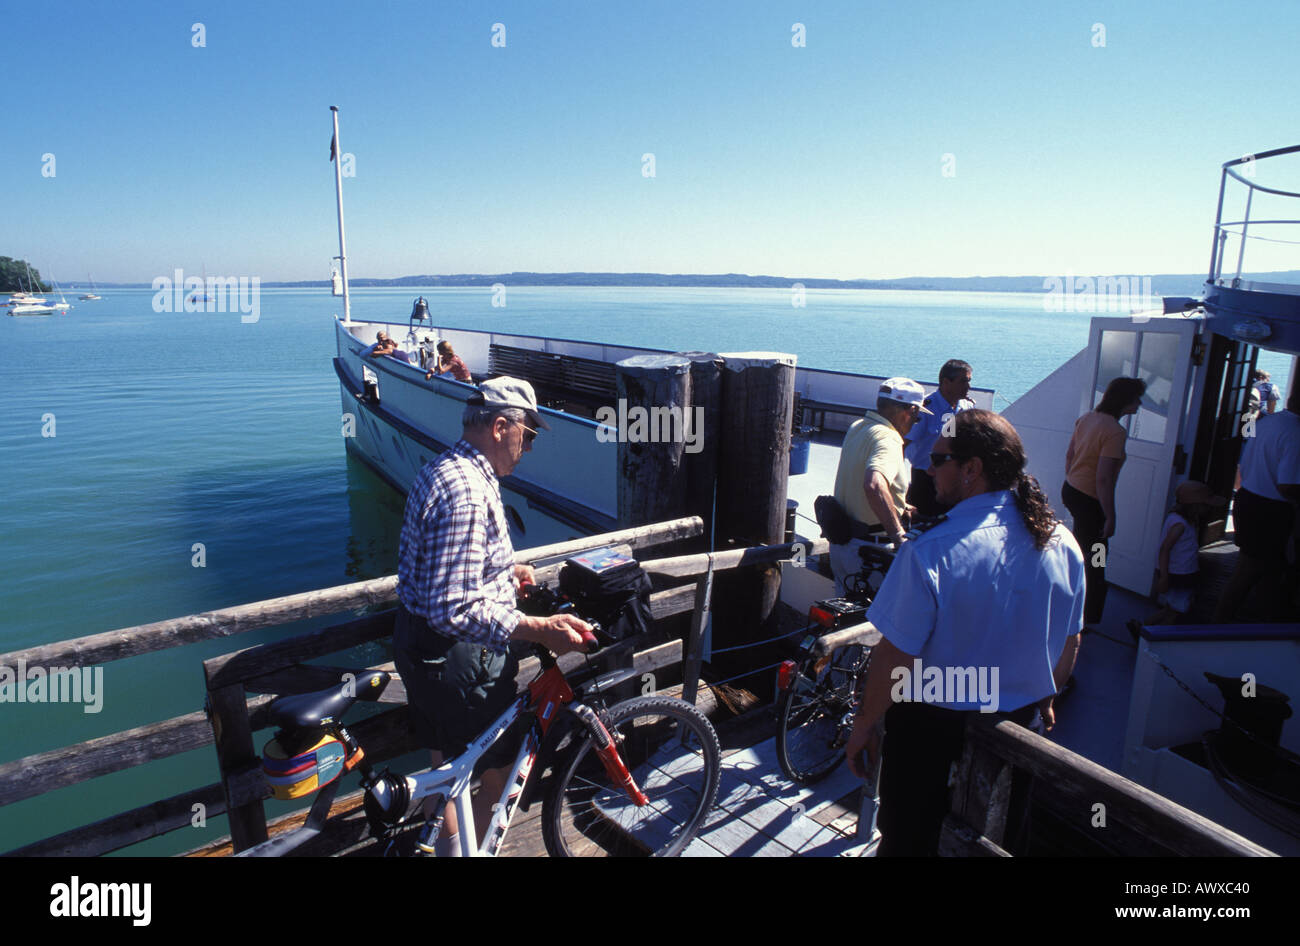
(1147, 713)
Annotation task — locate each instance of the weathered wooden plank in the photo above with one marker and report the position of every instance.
(689, 566)
(982, 791)
(226, 622)
(235, 752)
(639, 537)
(694, 654)
(864, 633)
(308, 678)
(957, 839)
(129, 827)
(239, 665)
(1077, 784)
(36, 774)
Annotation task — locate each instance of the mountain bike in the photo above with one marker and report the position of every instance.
(635, 778)
(821, 689)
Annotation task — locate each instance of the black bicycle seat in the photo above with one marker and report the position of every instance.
(311, 710)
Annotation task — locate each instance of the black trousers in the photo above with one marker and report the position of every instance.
(1089, 519)
(921, 744)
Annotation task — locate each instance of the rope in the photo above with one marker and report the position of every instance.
(727, 650)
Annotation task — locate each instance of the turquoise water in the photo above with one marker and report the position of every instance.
(175, 429)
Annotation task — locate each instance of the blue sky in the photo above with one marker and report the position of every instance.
(820, 161)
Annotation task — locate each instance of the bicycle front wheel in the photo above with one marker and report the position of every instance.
(817, 714)
(672, 752)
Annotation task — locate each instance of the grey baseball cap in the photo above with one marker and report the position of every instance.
(906, 391)
(500, 393)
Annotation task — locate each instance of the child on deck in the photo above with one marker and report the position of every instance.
(1178, 547)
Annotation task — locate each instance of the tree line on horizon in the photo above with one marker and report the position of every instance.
(13, 276)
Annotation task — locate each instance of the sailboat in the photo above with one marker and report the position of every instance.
(88, 296)
(63, 305)
(28, 303)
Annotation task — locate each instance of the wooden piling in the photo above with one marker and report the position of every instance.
(702, 453)
(753, 473)
(654, 406)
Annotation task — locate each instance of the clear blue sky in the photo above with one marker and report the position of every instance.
(820, 161)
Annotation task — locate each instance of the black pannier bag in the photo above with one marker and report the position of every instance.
(835, 522)
(609, 586)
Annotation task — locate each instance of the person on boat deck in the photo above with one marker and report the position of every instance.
(384, 345)
(992, 598)
(1177, 564)
(456, 584)
(448, 360)
(1269, 393)
(1092, 464)
(1264, 513)
(944, 404)
(872, 479)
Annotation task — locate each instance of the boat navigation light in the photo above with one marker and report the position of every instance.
(1251, 330)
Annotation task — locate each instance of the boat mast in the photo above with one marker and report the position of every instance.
(336, 154)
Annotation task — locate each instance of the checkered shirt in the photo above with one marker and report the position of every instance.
(455, 563)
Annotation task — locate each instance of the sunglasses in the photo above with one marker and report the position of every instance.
(939, 459)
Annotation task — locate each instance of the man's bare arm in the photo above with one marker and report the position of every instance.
(881, 501)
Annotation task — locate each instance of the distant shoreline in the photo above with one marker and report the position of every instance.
(1161, 284)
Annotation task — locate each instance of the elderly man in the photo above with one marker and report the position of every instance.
(457, 581)
(944, 404)
(1264, 513)
(871, 483)
(980, 614)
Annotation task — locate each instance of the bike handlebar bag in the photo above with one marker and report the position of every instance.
(609, 586)
(292, 775)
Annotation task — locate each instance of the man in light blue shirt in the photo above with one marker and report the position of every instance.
(980, 614)
(943, 404)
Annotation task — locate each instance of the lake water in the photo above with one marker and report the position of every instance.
(174, 431)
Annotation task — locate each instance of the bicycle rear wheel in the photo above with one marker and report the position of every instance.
(672, 752)
(817, 714)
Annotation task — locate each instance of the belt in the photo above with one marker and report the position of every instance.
(860, 530)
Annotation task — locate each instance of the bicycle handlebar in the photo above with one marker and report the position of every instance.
(540, 600)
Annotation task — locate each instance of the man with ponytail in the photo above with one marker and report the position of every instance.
(995, 592)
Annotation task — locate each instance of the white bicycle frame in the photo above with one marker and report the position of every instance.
(452, 780)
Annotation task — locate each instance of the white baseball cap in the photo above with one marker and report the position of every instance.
(501, 393)
(906, 391)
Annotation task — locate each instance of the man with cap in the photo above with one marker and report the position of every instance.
(456, 585)
(873, 476)
(944, 404)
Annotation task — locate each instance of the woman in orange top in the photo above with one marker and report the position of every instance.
(1092, 464)
(448, 360)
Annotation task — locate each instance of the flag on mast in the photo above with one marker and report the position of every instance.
(334, 148)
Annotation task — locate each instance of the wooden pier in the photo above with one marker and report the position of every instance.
(241, 684)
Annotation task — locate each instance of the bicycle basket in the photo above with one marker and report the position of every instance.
(301, 773)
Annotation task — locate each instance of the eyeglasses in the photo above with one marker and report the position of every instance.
(529, 434)
(939, 459)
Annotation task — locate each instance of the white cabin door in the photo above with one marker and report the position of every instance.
(1159, 351)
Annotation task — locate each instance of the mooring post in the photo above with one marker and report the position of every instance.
(654, 415)
(702, 452)
(753, 472)
(235, 752)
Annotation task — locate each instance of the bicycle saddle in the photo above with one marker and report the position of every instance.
(311, 710)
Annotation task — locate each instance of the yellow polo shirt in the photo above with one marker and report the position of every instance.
(872, 443)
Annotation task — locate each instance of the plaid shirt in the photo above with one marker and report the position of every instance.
(455, 563)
